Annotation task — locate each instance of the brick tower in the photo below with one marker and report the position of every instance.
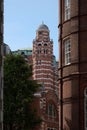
(43, 57)
(1, 64)
(44, 72)
(73, 65)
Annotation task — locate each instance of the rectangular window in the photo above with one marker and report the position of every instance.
(67, 9)
(67, 51)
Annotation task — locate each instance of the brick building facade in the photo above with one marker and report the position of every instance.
(1, 67)
(45, 72)
(73, 65)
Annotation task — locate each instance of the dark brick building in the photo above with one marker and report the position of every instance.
(1, 69)
(73, 65)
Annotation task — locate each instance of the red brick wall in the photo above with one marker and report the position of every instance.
(72, 77)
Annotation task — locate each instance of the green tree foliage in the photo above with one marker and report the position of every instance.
(19, 92)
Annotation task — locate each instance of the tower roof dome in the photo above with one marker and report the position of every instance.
(43, 27)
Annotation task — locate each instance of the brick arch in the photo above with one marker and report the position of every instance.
(51, 96)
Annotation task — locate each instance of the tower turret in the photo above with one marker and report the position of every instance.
(43, 57)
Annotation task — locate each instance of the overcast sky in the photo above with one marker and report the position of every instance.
(22, 18)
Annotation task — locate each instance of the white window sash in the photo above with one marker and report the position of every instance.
(67, 51)
(67, 9)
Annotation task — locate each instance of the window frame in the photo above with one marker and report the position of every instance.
(66, 9)
(67, 51)
(51, 110)
(39, 51)
(45, 51)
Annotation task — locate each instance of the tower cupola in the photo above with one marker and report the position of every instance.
(43, 27)
(42, 33)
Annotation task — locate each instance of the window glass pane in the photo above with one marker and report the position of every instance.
(67, 51)
(67, 9)
(51, 111)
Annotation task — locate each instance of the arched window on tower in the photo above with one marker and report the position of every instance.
(85, 107)
(51, 110)
(39, 51)
(39, 44)
(45, 44)
(40, 32)
(45, 51)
